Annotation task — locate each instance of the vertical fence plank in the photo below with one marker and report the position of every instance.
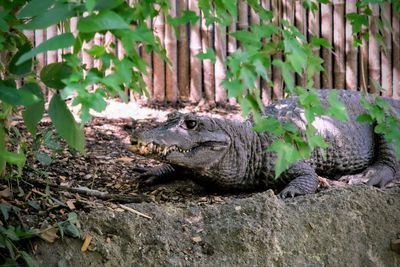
(255, 19)
(386, 53)
(339, 44)
(326, 32)
(109, 42)
(289, 14)
(51, 56)
(314, 30)
(220, 71)
(396, 54)
(301, 24)
(351, 51)
(159, 64)
(171, 77)
(266, 89)
(183, 56)
(363, 66)
(276, 72)
(232, 47)
(373, 51)
(40, 36)
(195, 63)
(147, 57)
(208, 67)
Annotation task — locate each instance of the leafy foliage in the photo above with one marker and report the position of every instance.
(13, 243)
(386, 120)
(71, 76)
(10, 236)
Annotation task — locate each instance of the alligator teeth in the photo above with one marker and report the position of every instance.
(165, 151)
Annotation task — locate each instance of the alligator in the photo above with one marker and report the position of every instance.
(230, 155)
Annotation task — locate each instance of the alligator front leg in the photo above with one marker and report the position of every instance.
(304, 180)
(158, 174)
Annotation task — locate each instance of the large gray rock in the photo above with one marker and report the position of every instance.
(351, 226)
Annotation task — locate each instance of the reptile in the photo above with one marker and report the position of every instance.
(230, 155)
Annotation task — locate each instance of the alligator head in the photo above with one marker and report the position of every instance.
(185, 140)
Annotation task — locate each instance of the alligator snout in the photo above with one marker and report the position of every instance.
(134, 138)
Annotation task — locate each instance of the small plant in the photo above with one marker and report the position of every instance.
(13, 250)
(14, 247)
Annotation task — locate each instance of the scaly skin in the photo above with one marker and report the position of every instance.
(229, 155)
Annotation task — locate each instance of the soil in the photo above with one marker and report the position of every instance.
(182, 224)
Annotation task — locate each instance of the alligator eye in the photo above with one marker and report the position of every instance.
(190, 124)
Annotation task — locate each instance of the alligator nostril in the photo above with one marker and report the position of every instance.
(134, 139)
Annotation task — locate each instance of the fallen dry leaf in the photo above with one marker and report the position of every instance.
(70, 204)
(6, 193)
(49, 235)
(196, 239)
(125, 159)
(86, 243)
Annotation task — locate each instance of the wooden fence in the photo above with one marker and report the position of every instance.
(189, 78)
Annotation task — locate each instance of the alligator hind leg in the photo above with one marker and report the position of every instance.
(304, 180)
(383, 170)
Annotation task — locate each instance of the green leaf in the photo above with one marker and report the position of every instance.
(5, 210)
(16, 97)
(188, 16)
(286, 73)
(245, 37)
(234, 87)
(90, 4)
(44, 158)
(53, 74)
(321, 42)
(33, 113)
(105, 20)
(96, 50)
(269, 124)
(14, 158)
(3, 22)
(24, 68)
(295, 54)
(261, 70)
(57, 42)
(65, 124)
(59, 12)
(209, 54)
(316, 141)
(336, 109)
(107, 4)
(247, 76)
(34, 8)
(286, 156)
(365, 117)
(30, 262)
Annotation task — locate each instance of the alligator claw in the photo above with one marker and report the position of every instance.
(290, 192)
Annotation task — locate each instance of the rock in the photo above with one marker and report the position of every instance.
(395, 245)
(351, 226)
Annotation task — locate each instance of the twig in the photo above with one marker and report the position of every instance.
(135, 211)
(59, 202)
(94, 193)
